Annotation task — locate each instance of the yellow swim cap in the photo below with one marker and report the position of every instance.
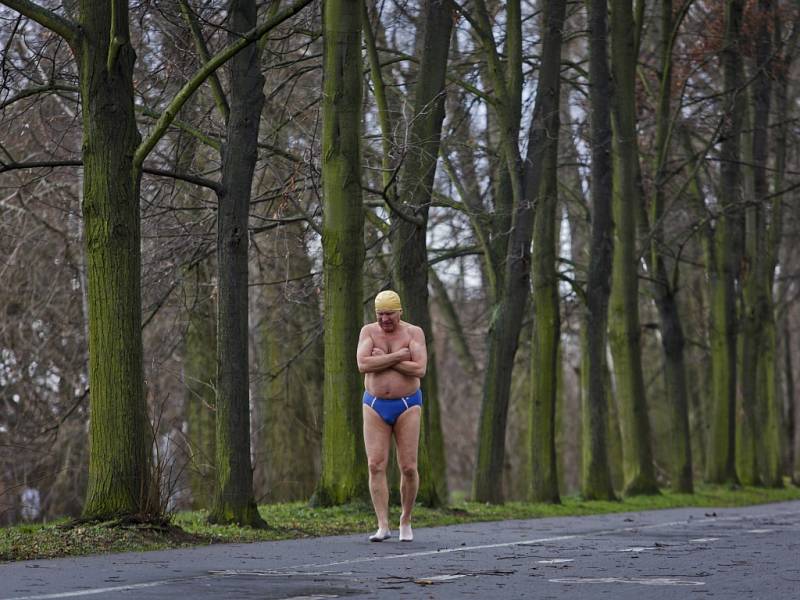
(387, 301)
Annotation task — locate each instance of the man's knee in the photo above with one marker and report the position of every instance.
(377, 467)
(408, 469)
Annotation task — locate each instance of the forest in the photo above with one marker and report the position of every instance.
(590, 208)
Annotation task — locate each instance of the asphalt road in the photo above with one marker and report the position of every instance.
(751, 553)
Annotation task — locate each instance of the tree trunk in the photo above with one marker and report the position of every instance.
(344, 465)
(624, 327)
(596, 474)
(511, 295)
(759, 423)
(292, 370)
(409, 244)
(454, 326)
(234, 501)
(722, 266)
(119, 478)
(672, 338)
(199, 372)
(784, 58)
(545, 365)
(200, 339)
(794, 413)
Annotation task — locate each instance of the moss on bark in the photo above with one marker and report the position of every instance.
(344, 469)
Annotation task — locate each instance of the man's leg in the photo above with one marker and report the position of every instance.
(377, 437)
(406, 431)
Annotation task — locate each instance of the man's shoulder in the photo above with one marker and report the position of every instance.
(413, 329)
(370, 328)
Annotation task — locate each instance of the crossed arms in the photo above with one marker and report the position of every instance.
(411, 361)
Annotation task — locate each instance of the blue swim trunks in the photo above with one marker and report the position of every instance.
(390, 409)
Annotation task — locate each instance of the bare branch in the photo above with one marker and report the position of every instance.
(46, 18)
(205, 71)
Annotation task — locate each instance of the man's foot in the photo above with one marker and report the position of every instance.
(380, 535)
(406, 535)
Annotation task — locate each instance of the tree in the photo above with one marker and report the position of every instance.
(624, 330)
(723, 264)
(113, 157)
(758, 422)
(596, 476)
(663, 286)
(119, 478)
(234, 501)
(291, 359)
(409, 239)
(200, 375)
(344, 465)
(545, 363)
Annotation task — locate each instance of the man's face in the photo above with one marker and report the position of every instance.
(388, 319)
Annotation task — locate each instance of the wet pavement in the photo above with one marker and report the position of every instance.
(748, 553)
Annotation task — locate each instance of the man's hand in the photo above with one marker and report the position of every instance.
(371, 359)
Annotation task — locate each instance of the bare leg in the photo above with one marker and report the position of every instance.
(406, 431)
(377, 437)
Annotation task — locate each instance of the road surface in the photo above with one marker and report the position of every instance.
(751, 552)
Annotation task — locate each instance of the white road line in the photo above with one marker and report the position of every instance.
(703, 540)
(94, 591)
(368, 559)
(639, 580)
(438, 578)
(760, 530)
(554, 561)
(637, 549)
(317, 597)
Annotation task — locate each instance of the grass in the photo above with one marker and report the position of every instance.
(298, 520)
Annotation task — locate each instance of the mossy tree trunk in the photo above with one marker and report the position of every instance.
(234, 501)
(119, 433)
(344, 465)
(545, 364)
(292, 367)
(596, 481)
(409, 239)
(119, 470)
(722, 265)
(200, 375)
(663, 287)
(783, 59)
(758, 425)
(624, 329)
(200, 340)
(512, 274)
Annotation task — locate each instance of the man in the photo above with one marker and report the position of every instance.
(392, 355)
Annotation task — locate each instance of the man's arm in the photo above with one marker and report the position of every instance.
(371, 363)
(417, 364)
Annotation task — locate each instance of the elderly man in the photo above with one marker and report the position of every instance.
(392, 355)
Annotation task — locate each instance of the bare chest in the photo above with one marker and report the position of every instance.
(391, 343)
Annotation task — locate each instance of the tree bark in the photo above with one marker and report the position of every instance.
(119, 477)
(409, 243)
(511, 295)
(292, 371)
(199, 371)
(596, 474)
(624, 327)
(721, 466)
(758, 426)
(545, 364)
(664, 293)
(344, 465)
(784, 58)
(234, 501)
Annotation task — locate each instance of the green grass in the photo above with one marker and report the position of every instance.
(298, 520)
